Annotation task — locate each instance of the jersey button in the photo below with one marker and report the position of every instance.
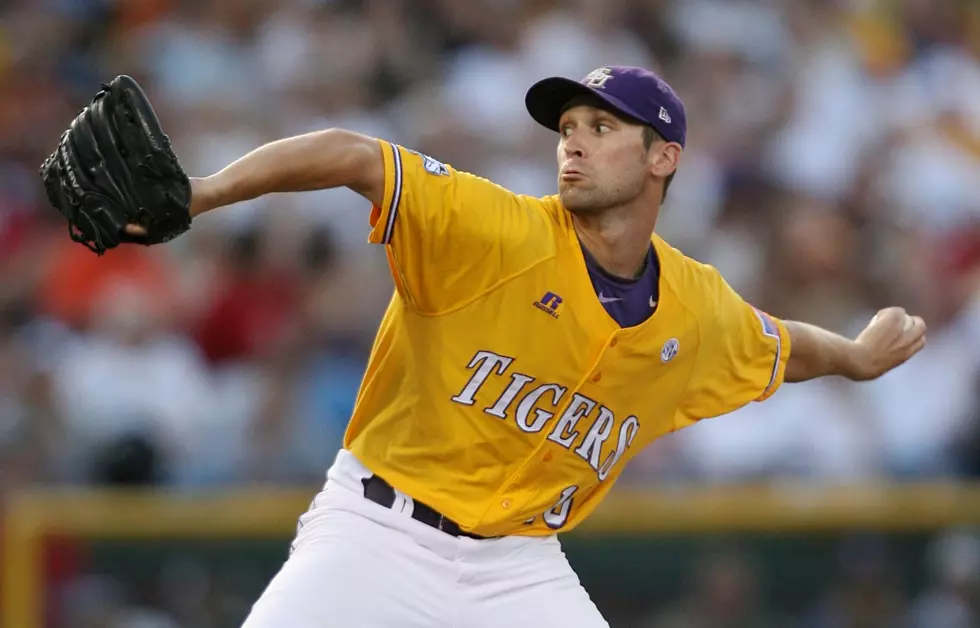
(614, 342)
(548, 456)
(505, 504)
(596, 378)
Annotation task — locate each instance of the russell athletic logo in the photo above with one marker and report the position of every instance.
(549, 303)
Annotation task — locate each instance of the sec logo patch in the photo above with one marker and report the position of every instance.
(670, 350)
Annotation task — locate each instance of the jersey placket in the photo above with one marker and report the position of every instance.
(504, 501)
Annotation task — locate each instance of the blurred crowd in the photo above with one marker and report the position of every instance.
(833, 168)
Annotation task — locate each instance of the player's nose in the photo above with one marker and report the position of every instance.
(573, 147)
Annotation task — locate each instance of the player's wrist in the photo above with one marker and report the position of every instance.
(817, 352)
(205, 195)
(854, 361)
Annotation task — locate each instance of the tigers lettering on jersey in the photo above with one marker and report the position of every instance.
(499, 389)
(522, 397)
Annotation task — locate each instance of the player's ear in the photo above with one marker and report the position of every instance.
(664, 158)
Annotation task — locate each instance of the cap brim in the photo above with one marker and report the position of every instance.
(546, 100)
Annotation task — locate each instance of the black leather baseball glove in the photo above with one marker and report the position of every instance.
(115, 166)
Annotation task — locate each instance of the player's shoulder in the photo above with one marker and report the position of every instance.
(695, 283)
(679, 268)
(425, 164)
(473, 189)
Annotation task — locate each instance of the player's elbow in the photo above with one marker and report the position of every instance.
(355, 161)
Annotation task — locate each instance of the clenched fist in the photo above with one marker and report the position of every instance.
(890, 339)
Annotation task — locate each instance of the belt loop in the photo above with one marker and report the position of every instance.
(402, 501)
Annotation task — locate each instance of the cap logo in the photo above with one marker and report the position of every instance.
(664, 115)
(597, 78)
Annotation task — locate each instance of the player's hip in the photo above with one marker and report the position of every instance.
(357, 563)
(352, 493)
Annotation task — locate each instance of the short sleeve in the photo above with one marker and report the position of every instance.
(450, 235)
(741, 358)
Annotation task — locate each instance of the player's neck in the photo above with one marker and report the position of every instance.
(618, 239)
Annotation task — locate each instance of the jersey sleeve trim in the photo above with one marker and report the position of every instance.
(774, 328)
(383, 217)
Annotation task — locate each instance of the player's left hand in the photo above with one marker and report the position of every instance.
(114, 166)
(202, 193)
(889, 340)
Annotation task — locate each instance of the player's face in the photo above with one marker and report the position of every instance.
(602, 161)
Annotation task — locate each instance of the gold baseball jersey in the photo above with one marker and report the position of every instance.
(499, 391)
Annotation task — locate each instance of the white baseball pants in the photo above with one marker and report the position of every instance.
(356, 564)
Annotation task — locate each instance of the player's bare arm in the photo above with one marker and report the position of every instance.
(313, 161)
(889, 340)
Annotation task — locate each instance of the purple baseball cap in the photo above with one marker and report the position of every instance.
(633, 92)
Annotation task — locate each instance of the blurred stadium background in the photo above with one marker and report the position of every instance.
(166, 414)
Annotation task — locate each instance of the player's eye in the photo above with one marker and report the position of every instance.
(566, 130)
(602, 128)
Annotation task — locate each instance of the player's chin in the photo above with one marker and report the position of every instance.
(577, 201)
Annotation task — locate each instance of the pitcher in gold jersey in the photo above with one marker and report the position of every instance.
(531, 348)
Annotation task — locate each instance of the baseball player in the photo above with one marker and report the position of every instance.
(531, 348)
